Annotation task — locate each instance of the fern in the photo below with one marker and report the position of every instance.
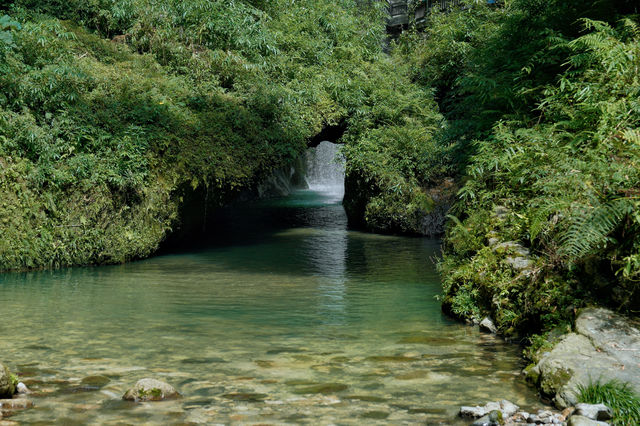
(591, 227)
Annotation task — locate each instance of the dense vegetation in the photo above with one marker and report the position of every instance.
(114, 112)
(542, 101)
(624, 404)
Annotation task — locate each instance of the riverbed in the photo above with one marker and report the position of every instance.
(286, 316)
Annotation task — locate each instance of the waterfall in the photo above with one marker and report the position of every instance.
(325, 169)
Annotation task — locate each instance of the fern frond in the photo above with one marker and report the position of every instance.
(590, 227)
(539, 219)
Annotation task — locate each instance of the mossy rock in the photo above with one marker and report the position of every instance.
(554, 380)
(150, 390)
(7, 382)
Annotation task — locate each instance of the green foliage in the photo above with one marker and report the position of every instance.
(554, 141)
(7, 27)
(112, 112)
(624, 403)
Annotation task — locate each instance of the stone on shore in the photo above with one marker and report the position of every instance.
(150, 390)
(594, 411)
(487, 325)
(604, 345)
(506, 408)
(576, 420)
(7, 387)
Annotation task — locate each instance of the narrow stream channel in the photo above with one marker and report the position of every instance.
(288, 318)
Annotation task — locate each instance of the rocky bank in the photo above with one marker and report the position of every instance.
(604, 346)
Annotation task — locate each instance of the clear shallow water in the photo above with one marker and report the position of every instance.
(288, 318)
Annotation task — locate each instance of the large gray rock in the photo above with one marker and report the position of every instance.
(7, 387)
(150, 390)
(605, 346)
(487, 325)
(584, 421)
(594, 411)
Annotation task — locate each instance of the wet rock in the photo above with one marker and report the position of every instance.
(7, 387)
(487, 325)
(506, 408)
(22, 388)
(584, 421)
(594, 411)
(150, 390)
(477, 411)
(324, 388)
(492, 419)
(519, 417)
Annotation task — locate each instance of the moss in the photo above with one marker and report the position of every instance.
(553, 381)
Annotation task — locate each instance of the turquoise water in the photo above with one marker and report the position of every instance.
(284, 316)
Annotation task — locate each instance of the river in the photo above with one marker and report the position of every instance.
(286, 316)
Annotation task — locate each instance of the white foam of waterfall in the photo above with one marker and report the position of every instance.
(325, 169)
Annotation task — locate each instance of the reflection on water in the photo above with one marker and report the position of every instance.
(287, 318)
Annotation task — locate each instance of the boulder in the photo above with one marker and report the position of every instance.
(150, 390)
(604, 345)
(594, 411)
(584, 421)
(7, 387)
(487, 325)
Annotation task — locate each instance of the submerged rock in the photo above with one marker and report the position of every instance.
(150, 390)
(10, 406)
(7, 387)
(376, 415)
(95, 382)
(245, 396)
